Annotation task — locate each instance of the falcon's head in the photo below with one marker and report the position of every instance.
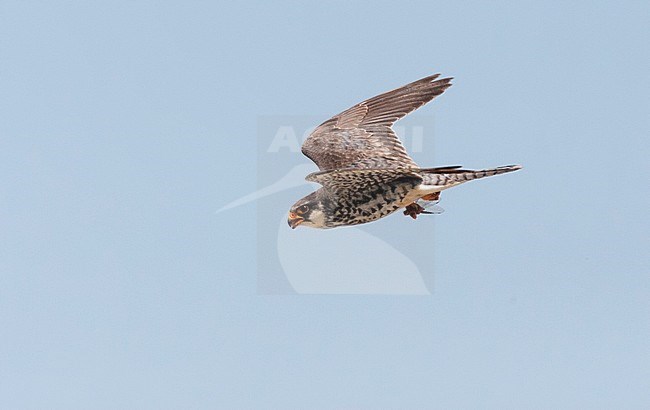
(308, 211)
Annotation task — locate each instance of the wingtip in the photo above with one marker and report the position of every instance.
(435, 78)
(442, 82)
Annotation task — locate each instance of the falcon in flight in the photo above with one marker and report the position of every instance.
(365, 172)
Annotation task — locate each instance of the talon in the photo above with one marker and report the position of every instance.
(413, 210)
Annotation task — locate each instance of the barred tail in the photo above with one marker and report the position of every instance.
(451, 176)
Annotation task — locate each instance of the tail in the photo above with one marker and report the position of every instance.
(450, 176)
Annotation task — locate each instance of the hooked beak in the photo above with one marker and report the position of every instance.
(294, 220)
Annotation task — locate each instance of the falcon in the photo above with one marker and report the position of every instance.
(365, 172)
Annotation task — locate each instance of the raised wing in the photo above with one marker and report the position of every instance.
(361, 136)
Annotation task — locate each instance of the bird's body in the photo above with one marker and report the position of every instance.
(365, 171)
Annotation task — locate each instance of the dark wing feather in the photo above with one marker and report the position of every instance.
(361, 136)
(355, 181)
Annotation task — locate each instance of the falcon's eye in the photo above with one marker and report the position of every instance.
(302, 209)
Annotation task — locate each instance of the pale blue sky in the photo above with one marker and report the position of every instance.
(125, 125)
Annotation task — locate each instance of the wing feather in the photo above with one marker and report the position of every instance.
(345, 182)
(362, 137)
